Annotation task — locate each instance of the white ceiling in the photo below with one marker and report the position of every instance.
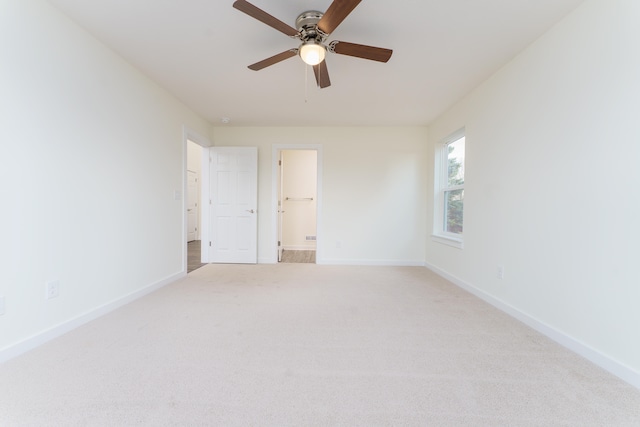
(199, 51)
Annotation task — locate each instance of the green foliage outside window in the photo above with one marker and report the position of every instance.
(454, 197)
(454, 210)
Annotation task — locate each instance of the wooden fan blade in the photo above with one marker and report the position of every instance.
(264, 17)
(273, 60)
(361, 51)
(322, 74)
(336, 13)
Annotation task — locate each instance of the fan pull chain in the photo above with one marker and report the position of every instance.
(306, 84)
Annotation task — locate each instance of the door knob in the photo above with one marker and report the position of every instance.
(251, 211)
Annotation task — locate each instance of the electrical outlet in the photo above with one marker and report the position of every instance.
(500, 272)
(53, 289)
(1, 305)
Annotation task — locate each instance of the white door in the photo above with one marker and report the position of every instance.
(234, 204)
(192, 206)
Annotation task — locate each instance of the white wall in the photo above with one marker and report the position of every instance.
(299, 181)
(374, 186)
(552, 177)
(91, 155)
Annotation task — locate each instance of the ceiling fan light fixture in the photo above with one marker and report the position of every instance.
(312, 52)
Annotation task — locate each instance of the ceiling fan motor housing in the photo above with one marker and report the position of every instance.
(307, 24)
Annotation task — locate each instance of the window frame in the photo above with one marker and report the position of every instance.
(441, 187)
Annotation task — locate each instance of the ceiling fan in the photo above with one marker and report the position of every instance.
(313, 29)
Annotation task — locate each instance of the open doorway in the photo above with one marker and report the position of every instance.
(193, 144)
(297, 205)
(194, 211)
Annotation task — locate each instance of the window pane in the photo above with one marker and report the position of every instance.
(455, 162)
(453, 207)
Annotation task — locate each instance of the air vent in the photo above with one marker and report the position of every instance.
(310, 238)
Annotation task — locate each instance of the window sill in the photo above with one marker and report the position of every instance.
(449, 241)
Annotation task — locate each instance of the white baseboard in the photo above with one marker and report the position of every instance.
(605, 362)
(371, 262)
(299, 248)
(40, 338)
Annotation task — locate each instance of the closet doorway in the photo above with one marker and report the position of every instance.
(194, 206)
(297, 202)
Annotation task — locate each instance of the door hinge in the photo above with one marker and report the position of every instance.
(279, 162)
(209, 243)
(278, 243)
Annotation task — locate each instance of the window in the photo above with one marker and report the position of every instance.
(449, 191)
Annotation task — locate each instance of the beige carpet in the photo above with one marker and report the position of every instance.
(309, 345)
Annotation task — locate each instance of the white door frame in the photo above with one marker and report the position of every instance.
(189, 135)
(275, 157)
(280, 204)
